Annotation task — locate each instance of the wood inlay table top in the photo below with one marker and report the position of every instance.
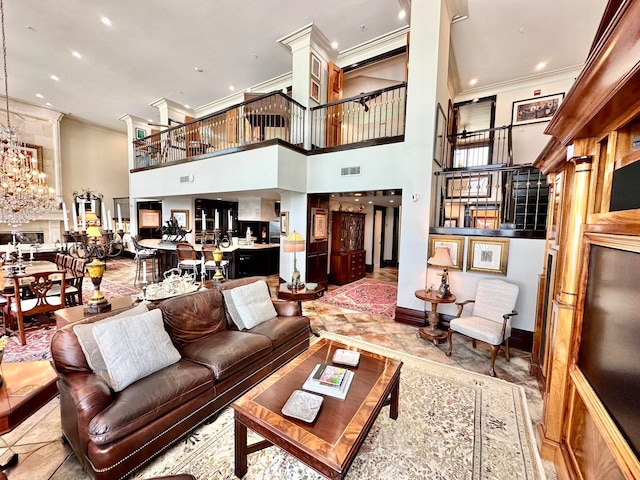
(329, 444)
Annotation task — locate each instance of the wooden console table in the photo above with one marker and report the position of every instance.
(430, 331)
(65, 316)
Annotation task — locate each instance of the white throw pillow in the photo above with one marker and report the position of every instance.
(135, 347)
(87, 341)
(250, 305)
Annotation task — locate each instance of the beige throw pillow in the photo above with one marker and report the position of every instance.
(250, 305)
(135, 347)
(87, 341)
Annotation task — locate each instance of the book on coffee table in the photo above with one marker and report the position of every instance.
(313, 385)
(329, 375)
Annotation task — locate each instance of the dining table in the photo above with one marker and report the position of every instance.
(9, 270)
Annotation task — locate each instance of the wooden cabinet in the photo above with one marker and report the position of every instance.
(347, 247)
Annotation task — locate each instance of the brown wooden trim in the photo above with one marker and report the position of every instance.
(378, 58)
(367, 143)
(489, 232)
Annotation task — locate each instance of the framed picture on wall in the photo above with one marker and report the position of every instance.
(150, 218)
(455, 245)
(182, 216)
(440, 136)
(315, 91)
(284, 223)
(315, 67)
(536, 109)
(318, 224)
(488, 255)
(140, 133)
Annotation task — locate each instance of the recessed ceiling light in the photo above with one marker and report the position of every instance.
(541, 65)
(231, 87)
(48, 104)
(150, 119)
(219, 198)
(390, 201)
(392, 192)
(39, 95)
(249, 90)
(473, 81)
(76, 54)
(106, 21)
(55, 77)
(370, 202)
(357, 194)
(186, 106)
(199, 70)
(357, 199)
(402, 14)
(334, 45)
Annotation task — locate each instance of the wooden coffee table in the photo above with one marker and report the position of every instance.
(26, 387)
(329, 444)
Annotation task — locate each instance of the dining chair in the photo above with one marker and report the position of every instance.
(490, 320)
(33, 295)
(187, 259)
(142, 255)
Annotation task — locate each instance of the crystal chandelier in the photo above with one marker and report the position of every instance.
(24, 194)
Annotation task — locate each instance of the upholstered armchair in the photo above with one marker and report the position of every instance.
(490, 320)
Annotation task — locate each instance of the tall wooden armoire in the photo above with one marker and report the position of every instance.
(347, 247)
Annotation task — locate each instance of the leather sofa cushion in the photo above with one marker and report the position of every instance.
(228, 352)
(282, 329)
(150, 398)
(188, 318)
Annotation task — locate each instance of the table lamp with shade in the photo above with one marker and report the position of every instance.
(441, 258)
(295, 243)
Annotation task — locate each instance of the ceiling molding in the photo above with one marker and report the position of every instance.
(377, 46)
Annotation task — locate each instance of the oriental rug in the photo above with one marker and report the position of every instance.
(453, 424)
(365, 295)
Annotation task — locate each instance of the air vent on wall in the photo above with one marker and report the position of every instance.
(347, 171)
(186, 179)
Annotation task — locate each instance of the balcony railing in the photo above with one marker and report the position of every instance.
(374, 115)
(491, 198)
(481, 147)
(272, 116)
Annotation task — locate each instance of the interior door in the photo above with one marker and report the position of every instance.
(334, 114)
(377, 239)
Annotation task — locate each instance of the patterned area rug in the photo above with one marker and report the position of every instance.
(39, 340)
(365, 295)
(452, 425)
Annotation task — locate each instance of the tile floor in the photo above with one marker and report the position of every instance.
(44, 457)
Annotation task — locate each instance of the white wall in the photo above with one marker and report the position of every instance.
(523, 268)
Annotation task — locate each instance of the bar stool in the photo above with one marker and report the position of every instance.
(142, 255)
(187, 260)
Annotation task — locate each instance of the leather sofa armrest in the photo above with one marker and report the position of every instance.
(88, 393)
(287, 308)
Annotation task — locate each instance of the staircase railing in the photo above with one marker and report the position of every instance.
(369, 116)
(491, 198)
(492, 146)
(271, 116)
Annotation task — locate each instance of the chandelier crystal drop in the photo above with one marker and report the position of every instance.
(24, 194)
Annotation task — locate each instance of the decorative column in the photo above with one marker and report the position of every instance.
(564, 305)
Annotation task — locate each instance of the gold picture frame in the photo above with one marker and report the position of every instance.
(182, 216)
(319, 220)
(315, 67)
(454, 244)
(150, 218)
(284, 223)
(488, 255)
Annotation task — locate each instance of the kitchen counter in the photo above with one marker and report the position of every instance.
(244, 260)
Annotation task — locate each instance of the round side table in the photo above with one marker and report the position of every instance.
(431, 331)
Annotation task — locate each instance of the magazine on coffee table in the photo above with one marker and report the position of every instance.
(340, 392)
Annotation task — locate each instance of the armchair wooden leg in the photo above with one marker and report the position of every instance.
(473, 342)
(21, 332)
(449, 334)
(494, 353)
(506, 350)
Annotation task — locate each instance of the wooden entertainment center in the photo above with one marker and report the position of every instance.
(586, 354)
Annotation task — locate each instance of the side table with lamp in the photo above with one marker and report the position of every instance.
(295, 243)
(440, 258)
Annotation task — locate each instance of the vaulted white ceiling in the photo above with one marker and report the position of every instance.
(153, 47)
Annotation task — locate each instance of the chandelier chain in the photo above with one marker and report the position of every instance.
(4, 61)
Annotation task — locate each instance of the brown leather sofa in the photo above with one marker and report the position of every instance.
(113, 434)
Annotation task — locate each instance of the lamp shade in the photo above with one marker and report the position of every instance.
(91, 218)
(294, 243)
(93, 232)
(440, 258)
